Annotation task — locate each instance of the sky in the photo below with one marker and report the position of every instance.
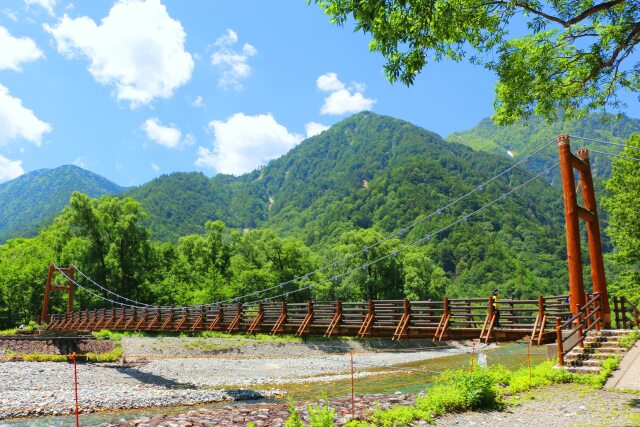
(133, 89)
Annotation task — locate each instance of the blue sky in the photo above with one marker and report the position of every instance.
(133, 89)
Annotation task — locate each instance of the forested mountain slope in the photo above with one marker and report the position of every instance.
(520, 139)
(33, 199)
(371, 171)
(366, 170)
(320, 204)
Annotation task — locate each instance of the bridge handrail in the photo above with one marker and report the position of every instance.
(584, 321)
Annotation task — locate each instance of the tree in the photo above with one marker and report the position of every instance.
(111, 240)
(624, 222)
(574, 55)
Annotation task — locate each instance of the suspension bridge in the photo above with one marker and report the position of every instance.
(541, 320)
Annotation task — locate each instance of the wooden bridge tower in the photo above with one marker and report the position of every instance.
(51, 287)
(589, 213)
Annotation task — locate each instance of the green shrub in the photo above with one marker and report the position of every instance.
(321, 416)
(441, 399)
(397, 416)
(628, 340)
(294, 419)
(477, 388)
(457, 391)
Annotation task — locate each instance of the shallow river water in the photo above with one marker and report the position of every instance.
(405, 378)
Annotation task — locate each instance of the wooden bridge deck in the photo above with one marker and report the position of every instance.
(468, 318)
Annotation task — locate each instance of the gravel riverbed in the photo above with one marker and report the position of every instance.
(188, 371)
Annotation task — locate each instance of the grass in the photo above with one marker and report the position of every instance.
(32, 326)
(459, 391)
(202, 345)
(111, 356)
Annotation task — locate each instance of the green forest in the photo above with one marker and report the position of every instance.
(333, 195)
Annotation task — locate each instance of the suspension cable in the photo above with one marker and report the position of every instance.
(618, 144)
(635, 159)
(414, 243)
(142, 304)
(91, 292)
(400, 232)
(365, 249)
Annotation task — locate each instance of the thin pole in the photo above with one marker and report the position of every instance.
(75, 383)
(559, 341)
(353, 403)
(473, 355)
(529, 361)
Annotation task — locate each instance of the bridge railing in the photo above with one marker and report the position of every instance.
(449, 318)
(571, 333)
(625, 314)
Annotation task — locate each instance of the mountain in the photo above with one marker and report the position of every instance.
(368, 169)
(372, 171)
(521, 139)
(32, 200)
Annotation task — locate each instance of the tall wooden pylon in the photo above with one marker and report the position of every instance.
(588, 213)
(51, 287)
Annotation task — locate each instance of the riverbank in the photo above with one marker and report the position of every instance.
(560, 405)
(176, 371)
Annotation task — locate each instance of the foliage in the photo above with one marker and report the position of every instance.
(34, 199)
(483, 388)
(110, 356)
(522, 138)
(294, 419)
(623, 205)
(512, 245)
(573, 56)
(321, 416)
(628, 340)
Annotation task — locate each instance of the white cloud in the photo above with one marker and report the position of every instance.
(189, 139)
(233, 62)
(168, 136)
(314, 128)
(17, 121)
(80, 162)
(243, 143)
(16, 50)
(329, 82)
(155, 167)
(10, 169)
(342, 99)
(48, 5)
(138, 48)
(198, 102)
(10, 14)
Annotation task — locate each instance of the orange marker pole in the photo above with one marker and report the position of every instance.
(72, 356)
(353, 403)
(529, 361)
(473, 355)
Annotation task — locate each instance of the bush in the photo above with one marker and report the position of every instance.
(477, 388)
(321, 416)
(457, 391)
(628, 340)
(294, 419)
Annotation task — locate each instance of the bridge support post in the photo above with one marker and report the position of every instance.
(588, 213)
(574, 257)
(593, 233)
